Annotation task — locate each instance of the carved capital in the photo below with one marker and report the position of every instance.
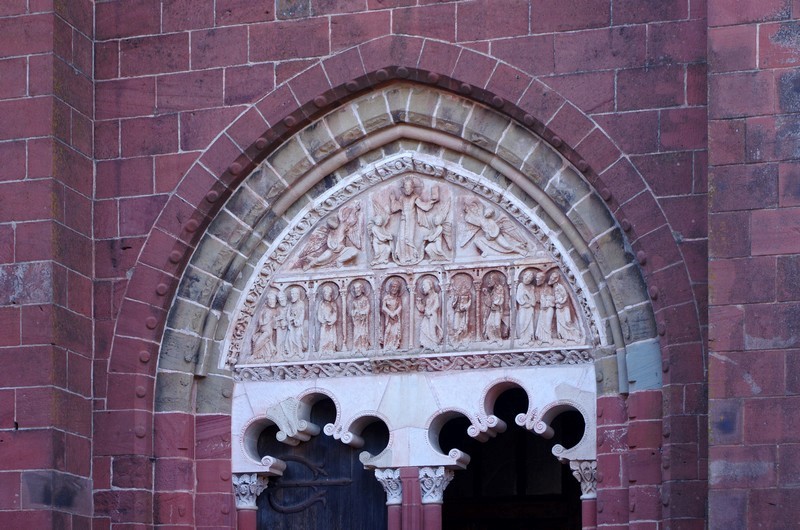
(585, 472)
(432, 482)
(390, 480)
(247, 487)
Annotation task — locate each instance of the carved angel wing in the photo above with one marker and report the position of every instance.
(317, 241)
(509, 229)
(354, 221)
(472, 212)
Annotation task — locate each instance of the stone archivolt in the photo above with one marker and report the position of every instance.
(409, 258)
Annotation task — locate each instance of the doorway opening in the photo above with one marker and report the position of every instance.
(513, 481)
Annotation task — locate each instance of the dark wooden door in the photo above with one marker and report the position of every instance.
(325, 486)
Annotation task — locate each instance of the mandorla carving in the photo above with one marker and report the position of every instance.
(246, 489)
(432, 482)
(390, 480)
(585, 472)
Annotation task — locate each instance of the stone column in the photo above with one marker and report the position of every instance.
(247, 487)
(432, 483)
(411, 512)
(393, 486)
(585, 472)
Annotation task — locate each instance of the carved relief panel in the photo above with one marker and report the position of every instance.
(410, 259)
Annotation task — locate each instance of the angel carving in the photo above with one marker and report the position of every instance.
(339, 241)
(491, 235)
(438, 239)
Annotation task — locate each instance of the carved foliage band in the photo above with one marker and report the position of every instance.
(246, 488)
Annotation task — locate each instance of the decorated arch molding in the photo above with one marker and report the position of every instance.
(486, 210)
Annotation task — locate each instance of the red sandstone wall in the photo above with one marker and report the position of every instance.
(754, 142)
(172, 74)
(46, 191)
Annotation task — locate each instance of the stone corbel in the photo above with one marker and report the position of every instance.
(585, 472)
(390, 480)
(291, 417)
(486, 427)
(246, 488)
(432, 482)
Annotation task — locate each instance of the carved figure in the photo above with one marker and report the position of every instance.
(495, 298)
(281, 323)
(566, 328)
(460, 302)
(327, 316)
(430, 329)
(392, 309)
(359, 313)
(339, 241)
(491, 235)
(296, 343)
(264, 345)
(437, 241)
(526, 302)
(547, 304)
(412, 208)
(381, 241)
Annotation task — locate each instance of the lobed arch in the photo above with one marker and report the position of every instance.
(215, 179)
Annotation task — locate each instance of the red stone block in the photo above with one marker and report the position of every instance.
(778, 44)
(531, 54)
(106, 140)
(230, 12)
(115, 20)
(73, 169)
(106, 60)
(651, 87)
(117, 432)
(154, 55)
(788, 278)
(247, 129)
(612, 508)
(190, 91)
(391, 51)
(681, 324)
(643, 213)
(130, 176)
(741, 94)
(149, 136)
(290, 39)
(174, 435)
(684, 128)
(508, 83)
(286, 70)
(160, 246)
(215, 509)
(220, 156)
(677, 42)
(14, 160)
(174, 474)
(132, 472)
(212, 437)
(724, 420)
(789, 184)
(344, 67)
(743, 188)
(384, 4)
(219, 47)
(775, 506)
(116, 256)
(173, 508)
(644, 466)
(769, 230)
(550, 16)
(125, 98)
(198, 128)
(696, 84)
(592, 92)
(733, 12)
(213, 476)
(611, 410)
(634, 132)
(327, 7)
(667, 174)
(13, 77)
(644, 434)
(772, 138)
(38, 113)
(196, 185)
(30, 449)
(726, 141)
(739, 374)
(136, 320)
(732, 48)
(350, 30)
(772, 326)
(170, 169)
(13, 7)
(438, 57)
(9, 491)
(131, 506)
(181, 15)
(26, 35)
(434, 21)
(738, 281)
(726, 328)
(637, 12)
(570, 124)
(599, 152)
(474, 68)
(729, 234)
(645, 405)
(484, 19)
(644, 503)
(309, 84)
(743, 466)
(599, 49)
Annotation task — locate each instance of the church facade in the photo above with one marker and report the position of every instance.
(399, 264)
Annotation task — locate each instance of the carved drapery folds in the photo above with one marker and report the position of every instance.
(585, 472)
(409, 259)
(432, 482)
(246, 489)
(390, 480)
